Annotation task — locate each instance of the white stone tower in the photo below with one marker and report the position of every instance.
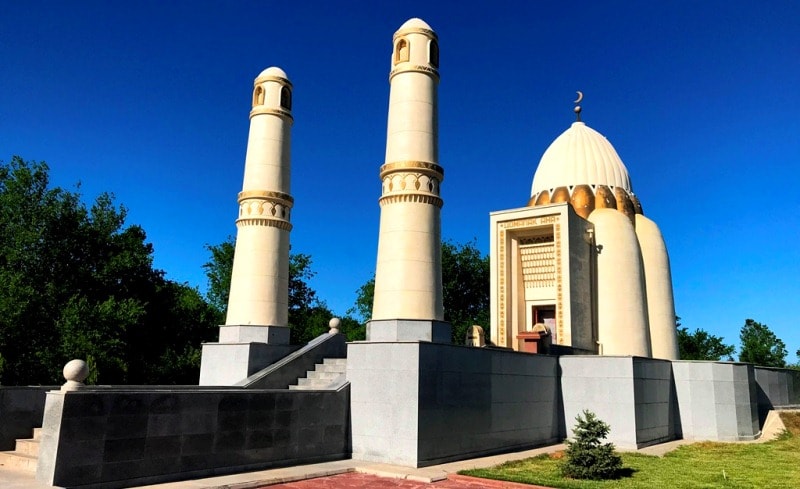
(260, 278)
(408, 276)
(256, 328)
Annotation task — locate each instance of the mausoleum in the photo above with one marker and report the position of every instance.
(581, 267)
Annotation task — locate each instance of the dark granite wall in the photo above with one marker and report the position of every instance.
(21, 410)
(118, 438)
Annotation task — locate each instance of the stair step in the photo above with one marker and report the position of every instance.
(330, 367)
(314, 383)
(28, 447)
(335, 361)
(37, 433)
(317, 375)
(18, 461)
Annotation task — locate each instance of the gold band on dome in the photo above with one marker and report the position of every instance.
(413, 198)
(260, 109)
(413, 69)
(261, 221)
(421, 166)
(269, 78)
(414, 30)
(268, 195)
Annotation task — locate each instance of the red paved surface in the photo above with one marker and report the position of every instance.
(363, 481)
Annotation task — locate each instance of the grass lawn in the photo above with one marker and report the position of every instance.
(774, 464)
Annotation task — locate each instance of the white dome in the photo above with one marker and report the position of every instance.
(273, 71)
(415, 23)
(580, 155)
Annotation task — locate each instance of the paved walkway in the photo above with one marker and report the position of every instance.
(366, 481)
(377, 475)
(349, 474)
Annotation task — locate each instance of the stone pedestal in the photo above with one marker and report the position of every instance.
(388, 330)
(273, 335)
(242, 351)
(418, 404)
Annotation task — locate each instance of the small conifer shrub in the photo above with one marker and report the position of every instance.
(586, 456)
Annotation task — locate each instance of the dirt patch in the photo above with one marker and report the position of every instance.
(791, 419)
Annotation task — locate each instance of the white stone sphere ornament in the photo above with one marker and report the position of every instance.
(334, 325)
(75, 372)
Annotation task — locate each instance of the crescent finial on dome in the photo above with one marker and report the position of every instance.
(577, 108)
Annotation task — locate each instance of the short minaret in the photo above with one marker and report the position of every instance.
(256, 328)
(408, 277)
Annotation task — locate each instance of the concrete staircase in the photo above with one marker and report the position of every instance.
(25, 455)
(329, 374)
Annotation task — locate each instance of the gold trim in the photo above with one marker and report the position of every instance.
(423, 166)
(559, 287)
(414, 30)
(414, 69)
(561, 194)
(397, 183)
(266, 194)
(542, 199)
(268, 78)
(604, 198)
(637, 206)
(501, 287)
(582, 200)
(624, 204)
(412, 198)
(260, 109)
(263, 221)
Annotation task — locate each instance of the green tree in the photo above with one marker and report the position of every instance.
(465, 289)
(760, 346)
(219, 269)
(76, 282)
(586, 456)
(308, 315)
(365, 295)
(700, 345)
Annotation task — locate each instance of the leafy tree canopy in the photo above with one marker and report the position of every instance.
(76, 282)
(308, 315)
(465, 284)
(760, 346)
(700, 345)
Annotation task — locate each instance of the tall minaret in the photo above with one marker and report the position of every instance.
(408, 277)
(256, 329)
(260, 278)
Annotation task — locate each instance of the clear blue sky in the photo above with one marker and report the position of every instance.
(150, 101)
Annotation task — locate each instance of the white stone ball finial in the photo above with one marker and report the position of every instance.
(334, 325)
(75, 372)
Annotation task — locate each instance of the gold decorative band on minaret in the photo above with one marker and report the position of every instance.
(260, 221)
(261, 109)
(254, 204)
(409, 68)
(412, 198)
(410, 182)
(420, 166)
(270, 195)
(279, 79)
(415, 30)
